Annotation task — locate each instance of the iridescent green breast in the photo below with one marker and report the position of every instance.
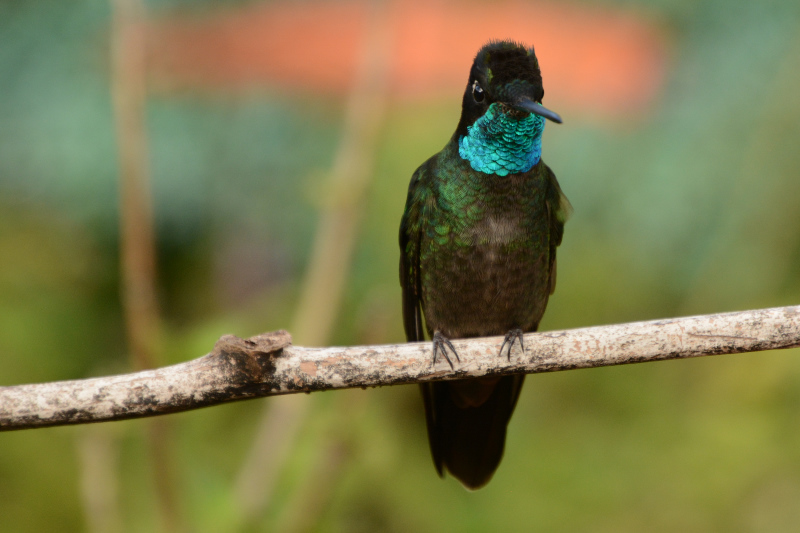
(484, 251)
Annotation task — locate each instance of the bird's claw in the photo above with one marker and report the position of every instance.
(509, 340)
(440, 345)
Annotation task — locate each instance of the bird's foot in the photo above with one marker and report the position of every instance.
(441, 345)
(509, 340)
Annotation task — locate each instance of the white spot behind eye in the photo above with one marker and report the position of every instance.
(477, 92)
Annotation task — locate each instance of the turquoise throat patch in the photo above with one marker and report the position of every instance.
(497, 144)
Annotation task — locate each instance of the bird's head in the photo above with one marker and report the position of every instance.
(505, 73)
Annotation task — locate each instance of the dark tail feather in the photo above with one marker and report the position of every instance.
(469, 441)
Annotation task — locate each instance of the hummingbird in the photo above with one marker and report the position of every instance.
(478, 239)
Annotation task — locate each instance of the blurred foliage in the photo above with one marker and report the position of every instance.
(693, 207)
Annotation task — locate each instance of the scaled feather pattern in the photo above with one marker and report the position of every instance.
(500, 144)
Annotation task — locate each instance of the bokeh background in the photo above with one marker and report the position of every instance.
(266, 130)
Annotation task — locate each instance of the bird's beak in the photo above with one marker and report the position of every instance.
(526, 104)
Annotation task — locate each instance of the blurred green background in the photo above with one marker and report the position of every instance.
(689, 207)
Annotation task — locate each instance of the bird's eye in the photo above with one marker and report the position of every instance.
(477, 92)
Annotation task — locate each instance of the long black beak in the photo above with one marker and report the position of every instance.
(526, 104)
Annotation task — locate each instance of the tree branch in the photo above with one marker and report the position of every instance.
(268, 364)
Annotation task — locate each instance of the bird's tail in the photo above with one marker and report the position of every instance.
(467, 422)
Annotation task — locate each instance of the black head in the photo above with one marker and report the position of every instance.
(508, 73)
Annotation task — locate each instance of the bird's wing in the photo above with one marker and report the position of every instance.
(410, 234)
(559, 209)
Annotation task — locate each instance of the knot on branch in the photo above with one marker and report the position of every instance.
(251, 360)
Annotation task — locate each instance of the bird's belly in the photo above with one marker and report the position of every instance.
(486, 289)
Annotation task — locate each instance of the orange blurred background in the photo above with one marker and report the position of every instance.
(593, 59)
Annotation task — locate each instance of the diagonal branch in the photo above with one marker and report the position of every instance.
(268, 364)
